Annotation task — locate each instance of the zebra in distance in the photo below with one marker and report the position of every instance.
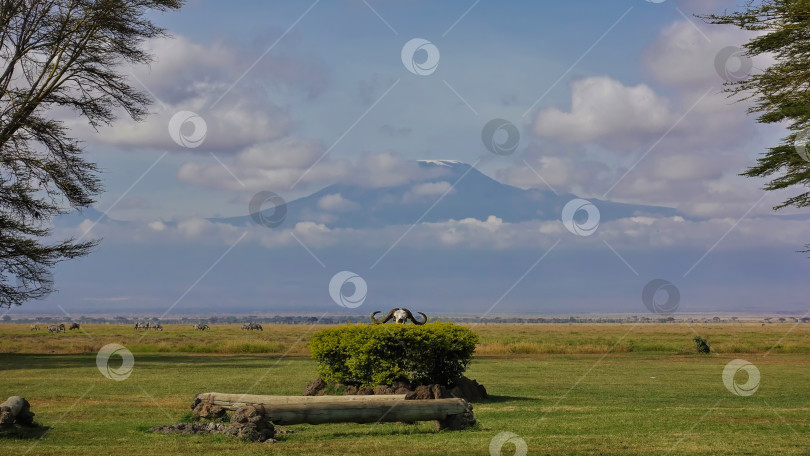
(56, 328)
(201, 326)
(34, 327)
(252, 326)
(148, 325)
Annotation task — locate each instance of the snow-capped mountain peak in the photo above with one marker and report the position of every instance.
(472, 195)
(447, 163)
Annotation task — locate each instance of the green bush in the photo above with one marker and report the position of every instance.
(702, 345)
(370, 355)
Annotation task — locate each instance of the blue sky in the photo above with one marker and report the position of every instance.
(500, 58)
(616, 101)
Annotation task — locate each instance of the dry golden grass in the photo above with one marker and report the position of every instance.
(495, 339)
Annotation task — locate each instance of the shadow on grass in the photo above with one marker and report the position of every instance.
(11, 361)
(496, 399)
(24, 432)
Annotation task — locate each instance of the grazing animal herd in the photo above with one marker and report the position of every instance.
(142, 325)
(145, 325)
(57, 328)
(148, 325)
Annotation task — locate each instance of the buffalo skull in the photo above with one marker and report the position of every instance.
(400, 316)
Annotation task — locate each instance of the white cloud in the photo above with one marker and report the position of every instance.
(605, 109)
(335, 202)
(427, 190)
(272, 165)
(157, 225)
(289, 162)
(189, 76)
(681, 148)
(684, 54)
(490, 234)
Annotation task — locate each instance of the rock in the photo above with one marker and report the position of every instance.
(250, 423)
(185, 428)
(365, 391)
(383, 389)
(350, 390)
(244, 431)
(208, 411)
(402, 390)
(248, 414)
(314, 387)
(467, 389)
(440, 392)
(421, 392)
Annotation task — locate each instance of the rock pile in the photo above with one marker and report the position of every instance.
(464, 388)
(248, 423)
(208, 411)
(191, 428)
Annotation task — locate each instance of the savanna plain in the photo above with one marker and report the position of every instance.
(566, 389)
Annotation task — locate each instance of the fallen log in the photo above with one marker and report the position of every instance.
(15, 410)
(235, 401)
(382, 411)
(452, 413)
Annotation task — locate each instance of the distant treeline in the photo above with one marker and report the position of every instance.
(337, 320)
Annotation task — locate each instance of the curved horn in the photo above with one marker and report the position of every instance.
(414, 320)
(390, 314)
(374, 320)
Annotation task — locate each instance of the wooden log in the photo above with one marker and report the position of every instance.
(234, 401)
(12, 409)
(388, 410)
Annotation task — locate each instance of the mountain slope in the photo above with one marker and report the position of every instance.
(455, 190)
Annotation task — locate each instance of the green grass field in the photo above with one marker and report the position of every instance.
(552, 385)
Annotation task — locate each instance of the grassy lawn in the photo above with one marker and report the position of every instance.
(642, 401)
